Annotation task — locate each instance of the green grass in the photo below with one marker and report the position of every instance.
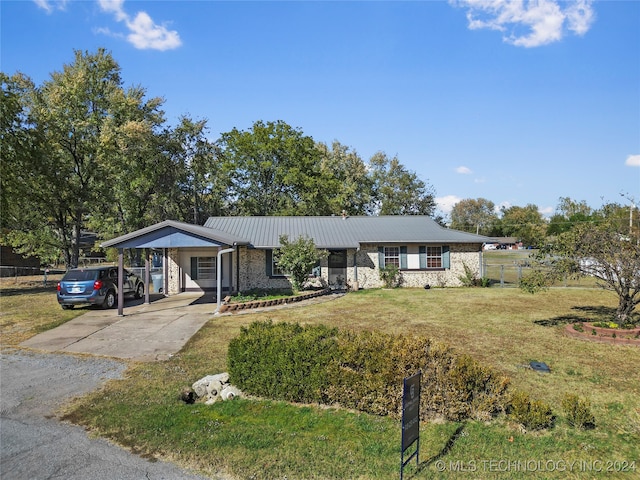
(504, 328)
(260, 295)
(27, 307)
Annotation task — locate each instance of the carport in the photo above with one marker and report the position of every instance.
(169, 237)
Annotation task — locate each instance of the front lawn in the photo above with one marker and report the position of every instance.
(28, 307)
(504, 328)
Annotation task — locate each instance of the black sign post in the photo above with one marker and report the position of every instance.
(410, 418)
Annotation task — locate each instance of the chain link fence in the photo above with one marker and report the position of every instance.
(506, 269)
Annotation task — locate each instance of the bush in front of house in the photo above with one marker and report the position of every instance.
(282, 361)
(362, 370)
(390, 276)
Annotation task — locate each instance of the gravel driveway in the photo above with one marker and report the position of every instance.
(35, 445)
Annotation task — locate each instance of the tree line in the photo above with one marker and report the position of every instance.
(83, 153)
(528, 225)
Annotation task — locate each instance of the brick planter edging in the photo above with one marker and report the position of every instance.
(604, 335)
(233, 307)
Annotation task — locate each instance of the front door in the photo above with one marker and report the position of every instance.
(338, 268)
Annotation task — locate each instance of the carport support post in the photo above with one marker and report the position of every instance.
(219, 275)
(120, 283)
(147, 275)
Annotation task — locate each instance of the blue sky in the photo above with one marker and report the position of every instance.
(516, 102)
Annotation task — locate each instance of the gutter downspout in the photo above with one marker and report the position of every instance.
(355, 265)
(219, 275)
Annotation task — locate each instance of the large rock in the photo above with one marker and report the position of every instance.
(201, 387)
(215, 387)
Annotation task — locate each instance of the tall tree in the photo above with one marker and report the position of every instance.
(398, 191)
(134, 166)
(76, 120)
(347, 183)
(274, 169)
(474, 216)
(524, 223)
(16, 143)
(200, 181)
(68, 112)
(20, 215)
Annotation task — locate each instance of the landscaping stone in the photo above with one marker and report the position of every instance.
(215, 387)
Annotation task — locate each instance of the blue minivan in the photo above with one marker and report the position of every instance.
(96, 286)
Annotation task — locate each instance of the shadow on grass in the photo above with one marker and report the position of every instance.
(442, 453)
(590, 314)
(9, 292)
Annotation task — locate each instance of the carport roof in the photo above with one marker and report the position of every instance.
(172, 234)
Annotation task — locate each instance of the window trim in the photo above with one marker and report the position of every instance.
(271, 265)
(395, 257)
(197, 269)
(424, 258)
(273, 272)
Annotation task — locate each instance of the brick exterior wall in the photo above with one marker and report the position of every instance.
(253, 269)
(173, 271)
(253, 272)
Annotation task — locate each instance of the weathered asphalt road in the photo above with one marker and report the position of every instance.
(35, 445)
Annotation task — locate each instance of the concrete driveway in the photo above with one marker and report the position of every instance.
(146, 332)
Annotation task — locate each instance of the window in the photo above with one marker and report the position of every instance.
(392, 256)
(414, 257)
(206, 268)
(434, 257)
(275, 269)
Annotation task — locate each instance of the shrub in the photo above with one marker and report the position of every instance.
(282, 361)
(298, 258)
(532, 414)
(361, 370)
(390, 276)
(368, 371)
(578, 411)
(470, 277)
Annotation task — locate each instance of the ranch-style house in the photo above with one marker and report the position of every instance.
(235, 254)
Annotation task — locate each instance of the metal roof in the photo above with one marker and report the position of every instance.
(334, 232)
(340, 232)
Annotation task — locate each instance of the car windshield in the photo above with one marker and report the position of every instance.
(80, 275)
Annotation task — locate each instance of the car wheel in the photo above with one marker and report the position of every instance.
(67, 307)
(109, 300)
(139, 290)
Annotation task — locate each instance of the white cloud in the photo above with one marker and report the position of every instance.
(144, 32)
(447, 202)
(546, 211)
(50, 5)
(463, 170)
(633, 161)
(529, 23)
